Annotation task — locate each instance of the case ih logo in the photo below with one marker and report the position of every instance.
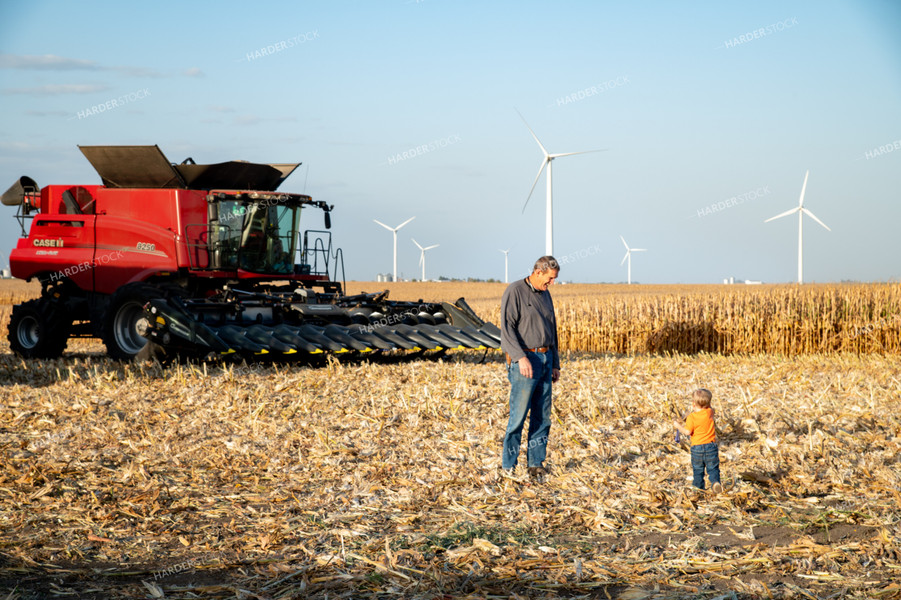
(48, 243)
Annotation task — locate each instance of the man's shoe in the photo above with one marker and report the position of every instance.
(538, 474)
(717, 488)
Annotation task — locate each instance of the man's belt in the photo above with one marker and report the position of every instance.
(540, 350)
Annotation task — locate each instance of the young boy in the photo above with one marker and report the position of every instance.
(704, 448)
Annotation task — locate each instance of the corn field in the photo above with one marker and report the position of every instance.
(786, 320)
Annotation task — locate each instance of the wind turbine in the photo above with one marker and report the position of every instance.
(506, 271)
(395, 240)
(628, 257)
(422, 256)
(801, 212)
(548, 159)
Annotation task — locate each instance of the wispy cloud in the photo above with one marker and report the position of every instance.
(52, 62)
(47, 113)
(254, 120)
(248, 120)
(135, 72)
(213, 111)
(17, 146)
(58, 89)
(46, 62)
(193, 72)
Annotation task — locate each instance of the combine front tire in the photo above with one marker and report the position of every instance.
(124, 324)
(36, 330)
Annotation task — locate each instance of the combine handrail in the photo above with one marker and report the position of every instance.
(339, 259)
(311, 255)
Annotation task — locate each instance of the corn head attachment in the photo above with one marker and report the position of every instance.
(282, 324)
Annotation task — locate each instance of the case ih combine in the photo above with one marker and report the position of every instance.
(202, 260)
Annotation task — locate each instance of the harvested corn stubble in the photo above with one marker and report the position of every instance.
(370, 480)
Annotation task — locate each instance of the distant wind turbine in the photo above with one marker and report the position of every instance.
(801, 212)
(546, 162)
(422, 256)
(506, 271)
(394, 229)
(628, 257)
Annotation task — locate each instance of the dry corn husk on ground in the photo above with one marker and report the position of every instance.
(360, 480)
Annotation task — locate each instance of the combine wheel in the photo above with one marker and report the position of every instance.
(124, 323)
(37, 329)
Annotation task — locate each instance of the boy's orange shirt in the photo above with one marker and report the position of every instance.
(700, 424)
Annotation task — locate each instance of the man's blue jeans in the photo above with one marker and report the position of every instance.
(532, 397)
(705, 456)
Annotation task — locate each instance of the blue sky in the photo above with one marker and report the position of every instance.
(693, 110)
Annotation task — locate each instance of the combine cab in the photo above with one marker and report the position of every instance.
(202, 260)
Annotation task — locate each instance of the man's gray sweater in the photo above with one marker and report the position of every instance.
(528, 321)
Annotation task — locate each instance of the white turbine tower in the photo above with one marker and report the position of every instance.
(546, 162)
(422, 256)
(628, 257)
(801, 212)
(394, 229)
(506, 270)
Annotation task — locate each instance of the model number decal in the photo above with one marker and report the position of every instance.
(146, 246)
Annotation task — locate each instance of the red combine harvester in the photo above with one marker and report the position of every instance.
(202, 260)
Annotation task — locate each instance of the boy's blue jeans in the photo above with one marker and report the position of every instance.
(705, 456)
(532, 397)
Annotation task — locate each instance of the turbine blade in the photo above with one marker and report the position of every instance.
(804, 188)
(639, 249)
(534, 183)
(624, 242)
(417, 244)
(383, 225)
(785, 214)
(625, 257)
(572, 153)
(814, 217)
(540, 145)
(405, 222)
(430, 247)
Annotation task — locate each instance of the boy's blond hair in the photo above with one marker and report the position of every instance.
(702, 397)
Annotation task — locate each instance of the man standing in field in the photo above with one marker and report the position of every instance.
(529, 339)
